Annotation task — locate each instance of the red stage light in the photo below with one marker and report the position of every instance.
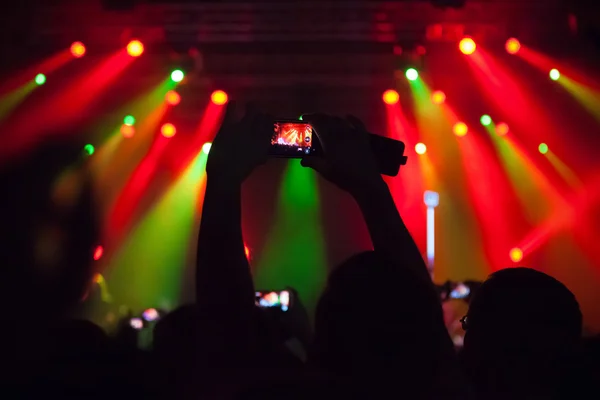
(172, 97)
(219, 97)
(135, 48)
(513, 46)
(502, 129)
(516, 255)
(467, 46)
(390, 97)
(460, 129)
(168, 130)
(420, 148)
(77, 49)
(127, 130)
(438, 97)
(98, 251)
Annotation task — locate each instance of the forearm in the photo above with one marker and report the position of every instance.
(223, 276)
(388, 232)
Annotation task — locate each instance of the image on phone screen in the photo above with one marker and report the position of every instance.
(291, 139)
(273, 300)
(461, 291)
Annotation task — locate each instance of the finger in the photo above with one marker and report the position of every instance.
(251, 111)
(230, 109)
(319, 164)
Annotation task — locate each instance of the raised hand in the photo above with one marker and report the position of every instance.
(347, 159)
(240, 146)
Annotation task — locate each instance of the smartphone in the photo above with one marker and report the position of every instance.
(280, 300)
(136, 323)
(297, 139)
(460, 291)
(292, 139)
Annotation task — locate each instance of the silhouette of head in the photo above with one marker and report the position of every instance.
(369, 322)
(521, 328)
(47, 232)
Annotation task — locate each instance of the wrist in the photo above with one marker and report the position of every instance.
(370, 190)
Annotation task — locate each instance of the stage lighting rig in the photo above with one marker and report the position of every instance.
(449, 3)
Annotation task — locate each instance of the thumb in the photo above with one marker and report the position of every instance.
(317, 163)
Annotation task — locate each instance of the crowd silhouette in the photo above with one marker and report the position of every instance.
(523, 328)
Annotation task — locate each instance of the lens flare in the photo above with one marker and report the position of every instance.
(467, 46)
(438, 97)
(219, 97)
(168, 130)
(135, 48)
(177, 76)
(412, 74)
(486, 120)
(127, 131)
(543, 148)
(98, 252)
(390, 97)
(89, 149)
(40, 79)
(460, 129)
(516, 255)
(172, 98)
(513, 46)
(420, 148)
(554, 74)
(502, 129)
(77, 49)
(129, 120)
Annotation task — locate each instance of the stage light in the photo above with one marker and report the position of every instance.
(89, 149)
(168, 130)
(177, 75)
(516, 255)
(129, 120)
(543, 148)
(219, 97)
(486, 120)
(502, 129)
(554, 75)
(98, 252)
(40, 79)
(513, 46)
(460, 129)
(438, 97)
(77, 49)
(247, 251)
(206, 147)
(467, 46)
(135, 48)
(391, 97)
(412, 74)
(420, 148)
(127, 131)
(172, 97)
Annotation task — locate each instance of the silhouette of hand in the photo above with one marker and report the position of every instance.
(240, 146)
(347, 159)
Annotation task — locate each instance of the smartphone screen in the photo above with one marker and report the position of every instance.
(461, 291)
(291, 139)
(273, 300)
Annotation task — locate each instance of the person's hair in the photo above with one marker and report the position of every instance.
(37, 272)
(515, 301)
(523, 333)
(369, 322)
